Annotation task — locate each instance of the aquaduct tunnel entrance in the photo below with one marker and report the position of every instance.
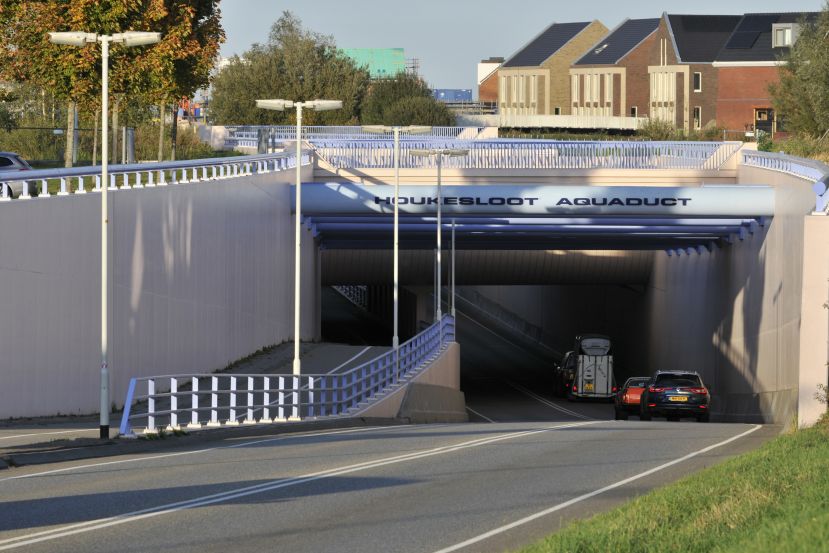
(676, 275)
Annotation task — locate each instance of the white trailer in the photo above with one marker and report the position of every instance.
(587, 371)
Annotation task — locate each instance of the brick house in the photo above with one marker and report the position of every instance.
(683, 81)
(533, 80)
(488, 80)
(611, 79)
(748, 64)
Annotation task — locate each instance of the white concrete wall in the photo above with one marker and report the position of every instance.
(735, 314)
(201, 275)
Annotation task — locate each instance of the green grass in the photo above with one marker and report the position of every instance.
(775, 498)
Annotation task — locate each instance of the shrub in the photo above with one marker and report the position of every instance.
(657, 129)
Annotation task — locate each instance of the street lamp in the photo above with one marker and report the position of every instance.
(129, 39)
(282, 105)
(382, 129)
(438, 154)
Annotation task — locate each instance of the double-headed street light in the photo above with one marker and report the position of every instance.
(382, 129)
(438, 154)
(282, 105)
(129, 38)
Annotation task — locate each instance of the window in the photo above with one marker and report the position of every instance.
(784, 34)
(557, 111)
(697, 117)
(6, 162)
(575, 91)
(697, 82)
(634, 111)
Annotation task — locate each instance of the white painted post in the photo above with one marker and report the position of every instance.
(231, 421)
(249, 419)
(295, 399)
(104, 406)
(266, 400)
(150, 405)
(194, 403)
(214, 401)
(173, 403)
(297, 239)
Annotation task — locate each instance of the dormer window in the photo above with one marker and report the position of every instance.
(783, 35)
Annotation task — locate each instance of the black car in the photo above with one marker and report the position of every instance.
(675, 394)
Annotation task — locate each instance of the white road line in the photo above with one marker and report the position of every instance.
(580, 498)
(79, 430)
(98, 524)
(473, 411)
(182, 453)
(549, 403)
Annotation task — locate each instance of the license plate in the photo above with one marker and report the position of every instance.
(678, 398)
(588, 387)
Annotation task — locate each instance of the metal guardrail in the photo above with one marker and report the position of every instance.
(533, 154)
(355, 293)
(811, 170)
(275, 397)
(148, 175)
(248, 136)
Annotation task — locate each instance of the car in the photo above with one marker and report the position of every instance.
(626, 400)
(675, 394)
(11, 162)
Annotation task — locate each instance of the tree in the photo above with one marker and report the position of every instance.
(802, 95)
(179, 65)
(404, 99)
(294, 64)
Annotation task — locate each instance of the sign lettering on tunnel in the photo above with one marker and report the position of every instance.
(557, 200)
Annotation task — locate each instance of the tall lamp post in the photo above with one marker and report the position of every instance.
(128, 39)
(382, 129)
(282, 105)
(438, 154)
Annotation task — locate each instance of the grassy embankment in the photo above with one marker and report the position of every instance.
(773, 499)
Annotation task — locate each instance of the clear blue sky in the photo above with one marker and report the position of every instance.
(451, 36)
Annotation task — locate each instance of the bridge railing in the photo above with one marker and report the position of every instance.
(212, 400)
(532, 154)
(248, 136)
(145, 175)
(808, 169)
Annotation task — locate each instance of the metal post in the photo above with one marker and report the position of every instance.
(438, 313)
(434, 283)
(104, 415)
(298, 237)
(395, 341)
(452, 310)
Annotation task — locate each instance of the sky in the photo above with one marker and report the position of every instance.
(450, 37)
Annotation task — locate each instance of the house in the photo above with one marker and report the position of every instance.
(611, 79)
(533, 80)
(748, 64)
(488, 80)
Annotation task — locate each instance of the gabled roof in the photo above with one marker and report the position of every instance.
(751, 40)
(545, 44)
(699, 38)
(619, 42)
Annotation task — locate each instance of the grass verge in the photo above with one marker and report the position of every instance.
(773, 499)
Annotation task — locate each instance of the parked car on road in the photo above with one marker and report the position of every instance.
(626, 400)
(11, 162)
(675, 394)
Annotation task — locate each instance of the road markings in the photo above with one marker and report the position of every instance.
(78, 431)
(98, 524)
(580, 498)
(195, 451)
(474, 412)
(549, 403)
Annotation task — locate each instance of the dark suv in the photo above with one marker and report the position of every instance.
(675, 394)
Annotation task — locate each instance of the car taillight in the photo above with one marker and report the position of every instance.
(700, 391)
(657, 389)
(651, 405)
(615, 389)
(575, 388)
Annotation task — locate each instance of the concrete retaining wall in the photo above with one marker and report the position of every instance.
(734, 314)
(201, 275)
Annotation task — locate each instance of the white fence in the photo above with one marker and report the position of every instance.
(248, 136)
(808, 169)
(532, 154)
(260, 399)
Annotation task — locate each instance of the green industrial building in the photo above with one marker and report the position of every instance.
(381, 62)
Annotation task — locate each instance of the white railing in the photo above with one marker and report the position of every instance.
(145, 175)
(248, 136)
(815, 172)
(533, 154)
(212, 400)
(615, 122)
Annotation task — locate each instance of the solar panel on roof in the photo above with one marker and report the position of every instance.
(741, 41)
(757, 23)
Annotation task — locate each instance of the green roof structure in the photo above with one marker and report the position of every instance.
(381, 62)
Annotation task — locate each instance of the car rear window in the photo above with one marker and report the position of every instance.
(640, 383)
(678, 382)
